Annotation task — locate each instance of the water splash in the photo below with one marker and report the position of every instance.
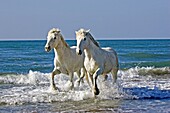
(131, 84)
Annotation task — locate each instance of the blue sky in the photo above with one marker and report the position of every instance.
(107, 19)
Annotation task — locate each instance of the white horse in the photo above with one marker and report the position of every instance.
(66, 60)
(97, 61)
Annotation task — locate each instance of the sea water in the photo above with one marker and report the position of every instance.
(143, 83)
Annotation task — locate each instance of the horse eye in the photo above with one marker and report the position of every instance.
(84, 39)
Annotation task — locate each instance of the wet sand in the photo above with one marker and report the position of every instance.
(93, 105)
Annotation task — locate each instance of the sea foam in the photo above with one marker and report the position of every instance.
(35, 86)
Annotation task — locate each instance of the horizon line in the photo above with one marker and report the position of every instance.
(96, 39)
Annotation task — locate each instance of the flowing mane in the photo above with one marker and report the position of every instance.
(64, 42)
(83, 31)
(92, 39)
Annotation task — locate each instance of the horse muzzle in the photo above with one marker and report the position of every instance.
(47, 49)
(79, 52)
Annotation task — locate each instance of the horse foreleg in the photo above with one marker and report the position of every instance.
(81, 74)
(91, 78)
(52, 83)
(87, 77)
(95, 75)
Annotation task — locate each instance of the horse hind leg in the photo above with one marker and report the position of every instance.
(114, 74)
(71, 80)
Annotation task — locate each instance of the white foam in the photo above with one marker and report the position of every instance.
(35, 87)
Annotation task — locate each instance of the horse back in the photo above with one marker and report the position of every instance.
(111, 56)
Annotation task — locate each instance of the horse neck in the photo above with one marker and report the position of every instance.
(91, 50)
(62, 46)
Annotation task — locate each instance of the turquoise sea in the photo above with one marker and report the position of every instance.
(143, 83)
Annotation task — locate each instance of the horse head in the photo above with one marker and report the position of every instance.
(53, 38)
(82, 40)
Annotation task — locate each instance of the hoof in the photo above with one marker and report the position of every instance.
(96, 91)
(105, 77)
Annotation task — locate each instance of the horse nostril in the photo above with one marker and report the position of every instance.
(80, 52)
(47, 48)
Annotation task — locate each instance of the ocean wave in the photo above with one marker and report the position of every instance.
(133, 83)
(30, 78)
(144, 71)
(142, 55)
(158, 64)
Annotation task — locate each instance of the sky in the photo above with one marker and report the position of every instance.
(106, 19)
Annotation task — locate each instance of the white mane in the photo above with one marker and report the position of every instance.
(92, 39)
(86, 32)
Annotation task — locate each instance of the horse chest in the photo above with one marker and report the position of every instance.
(62, 62)
(90, 65)
(69, 62)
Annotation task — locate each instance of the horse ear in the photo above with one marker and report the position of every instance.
(58, 30)
(88, 30)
